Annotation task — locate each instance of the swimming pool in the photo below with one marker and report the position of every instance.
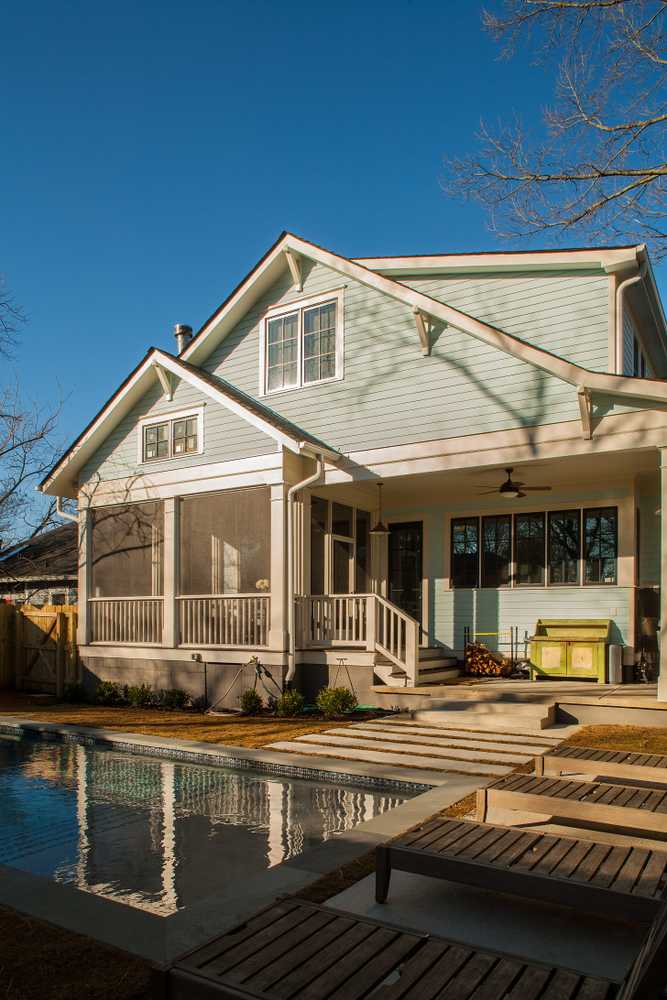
(158, 834)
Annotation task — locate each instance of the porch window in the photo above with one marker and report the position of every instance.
(319, 515)
(128, 550)
(363, 553)
(600, 545)
(529, 548)
(564, 546)
(465, 552)
(302, 345)
(225, 543)
(339, 548)
(496, 550)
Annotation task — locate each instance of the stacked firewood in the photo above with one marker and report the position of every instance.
(481, 662)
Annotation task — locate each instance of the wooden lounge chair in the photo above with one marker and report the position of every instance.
(626, 883)
(298, 951)
(615, 763)
(590, 802)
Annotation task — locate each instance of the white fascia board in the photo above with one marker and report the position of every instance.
(606, 260)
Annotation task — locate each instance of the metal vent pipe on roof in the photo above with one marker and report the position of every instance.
(183, 334)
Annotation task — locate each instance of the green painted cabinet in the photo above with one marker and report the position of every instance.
(570, 647)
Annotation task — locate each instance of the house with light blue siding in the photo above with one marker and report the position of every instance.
(357, 464)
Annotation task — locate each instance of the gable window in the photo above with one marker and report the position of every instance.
(171, 436)
(302, 345)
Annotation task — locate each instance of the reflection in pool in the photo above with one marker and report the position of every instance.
(158, 834)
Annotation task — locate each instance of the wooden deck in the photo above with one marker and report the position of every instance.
(601, 803)
(624, 883)
(615, 763)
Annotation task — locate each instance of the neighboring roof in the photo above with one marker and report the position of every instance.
(61, 479)
(52, 554)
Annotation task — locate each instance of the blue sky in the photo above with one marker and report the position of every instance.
(153, 151)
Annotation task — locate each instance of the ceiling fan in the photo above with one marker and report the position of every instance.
(513, 489)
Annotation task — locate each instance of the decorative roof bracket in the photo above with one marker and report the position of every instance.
(423, 325)
(294, 265)
(585, 410)
(166, 382)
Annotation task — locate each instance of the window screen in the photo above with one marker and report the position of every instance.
(496, 550)
(564, 546)
(465, 552)
(529, 548)
(319, 515)
(600, 545)
(225, 543)
(363, 566)
(128, 550)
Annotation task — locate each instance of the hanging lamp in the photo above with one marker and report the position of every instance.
(379, 528)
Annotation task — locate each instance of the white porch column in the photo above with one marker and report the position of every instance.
(170, 636)
(662, 678)
(84, 573)
(278, 626)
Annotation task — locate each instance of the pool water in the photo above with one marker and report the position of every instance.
(159, 834)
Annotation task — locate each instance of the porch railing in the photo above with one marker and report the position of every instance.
(127, 620)
(360, 620)
(241, 620)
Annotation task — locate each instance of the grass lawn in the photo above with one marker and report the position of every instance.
(238, 731)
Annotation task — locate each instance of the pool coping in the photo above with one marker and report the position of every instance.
(160, 939)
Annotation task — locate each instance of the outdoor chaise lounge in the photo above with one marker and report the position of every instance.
(639, 809)
(298, 951)
(615, 763)
(625, 883)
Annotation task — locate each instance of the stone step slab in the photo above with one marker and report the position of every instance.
(383, 757)
(439, 729)
(521, 754)
(487, 721)
(345, 741)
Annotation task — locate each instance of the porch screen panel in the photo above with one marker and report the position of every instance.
(496, 550)
(600, 545)
(529, 548)
(128, 550)
(225, 543)
(319, 516)
(363, 553)
(465, 552)
(564, 546)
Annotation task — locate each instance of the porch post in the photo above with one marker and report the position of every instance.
(278, 626)
(84, 566)
(170, 636)
(662, 676)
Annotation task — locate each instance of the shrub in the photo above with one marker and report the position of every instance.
(336, 701)
(140, 695)
(74, 693)
(251, 702)
(173, 698)
(109, 693)
(290, 703)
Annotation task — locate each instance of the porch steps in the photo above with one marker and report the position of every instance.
(433, 668)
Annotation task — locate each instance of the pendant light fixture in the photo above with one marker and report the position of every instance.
(379, 528)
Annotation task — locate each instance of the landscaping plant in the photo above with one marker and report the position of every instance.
(140, 695)
(109, 693)
(336, 701)
(173, 698)
(289, 703)
(251, 702)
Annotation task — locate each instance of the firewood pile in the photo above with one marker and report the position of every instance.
(481, 662)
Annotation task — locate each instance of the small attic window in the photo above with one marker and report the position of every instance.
(174, 435)
(302, 343)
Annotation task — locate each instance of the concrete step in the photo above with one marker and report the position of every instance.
(436, 675)
(480, 718)
(385, 757)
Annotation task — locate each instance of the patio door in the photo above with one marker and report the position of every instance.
(404, 585)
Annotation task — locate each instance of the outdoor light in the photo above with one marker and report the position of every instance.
(379, 528)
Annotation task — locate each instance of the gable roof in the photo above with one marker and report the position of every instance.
(60, 480)
(52, 552)
(267, 270)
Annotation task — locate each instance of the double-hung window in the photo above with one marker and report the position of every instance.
(302, 345)
(172, 436)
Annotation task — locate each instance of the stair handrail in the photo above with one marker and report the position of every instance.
(409, 661)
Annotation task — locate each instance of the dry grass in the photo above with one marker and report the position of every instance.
(41, 962)
(640, 739)
(238, 731)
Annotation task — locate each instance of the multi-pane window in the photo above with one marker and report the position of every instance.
(529, 548)
(302, 347)
(561, 548)
(465, 552)
(171, 437)
(339, 548)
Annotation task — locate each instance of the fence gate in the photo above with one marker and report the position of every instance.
(45, 650)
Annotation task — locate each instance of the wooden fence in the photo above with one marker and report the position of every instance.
(38, 650)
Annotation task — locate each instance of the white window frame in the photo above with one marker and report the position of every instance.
(170, 418)
(299, 306)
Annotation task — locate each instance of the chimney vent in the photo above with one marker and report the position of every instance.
(183, 334)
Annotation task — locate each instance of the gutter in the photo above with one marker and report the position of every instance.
(619, 312)
(64, 513)
(291, 496)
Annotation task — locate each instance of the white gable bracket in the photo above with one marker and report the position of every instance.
(423, 325)
(293, 262)
(585, 410)
(165, 381)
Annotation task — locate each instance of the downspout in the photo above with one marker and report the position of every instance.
(619, 313)
(291, 496)
(65, 513)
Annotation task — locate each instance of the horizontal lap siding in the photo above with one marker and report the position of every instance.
(226, 437)
(391, 394)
